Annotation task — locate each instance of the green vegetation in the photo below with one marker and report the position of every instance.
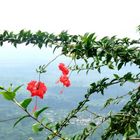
(109, 52)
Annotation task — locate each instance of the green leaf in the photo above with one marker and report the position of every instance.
(50, 137)
(26, 102)
(120, 66)
(36, 127)
(41, 128)
(17, 88)
(48, 123)
(108, 58)
(43, 119)
(110, 65)
(37, 113)
(1, 43)
(21, 118)
(92, 124)
(116, 76)
(108, 102)
(1, 88)
(84, 108)
(8, 95)
(1, 92)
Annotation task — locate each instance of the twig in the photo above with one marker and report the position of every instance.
(55, 133)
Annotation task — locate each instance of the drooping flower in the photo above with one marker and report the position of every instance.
(65, 80)
(63, 68)
(37, 88)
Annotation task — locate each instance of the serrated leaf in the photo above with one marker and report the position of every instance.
(37, 113)
(26, 102)
(20, 119)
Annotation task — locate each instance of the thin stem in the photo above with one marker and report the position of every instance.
(52, 61)
(39, 77)
(56, 134)
(70, 63)
(93, 113)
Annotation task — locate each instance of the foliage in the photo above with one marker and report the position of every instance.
(112, 52)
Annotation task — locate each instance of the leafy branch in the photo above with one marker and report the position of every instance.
(100, 86)
(96, 53)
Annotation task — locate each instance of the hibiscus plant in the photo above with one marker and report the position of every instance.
(110, 52)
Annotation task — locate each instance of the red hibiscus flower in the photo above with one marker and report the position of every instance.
(63, 68)
(37, 88)
(65, 80)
